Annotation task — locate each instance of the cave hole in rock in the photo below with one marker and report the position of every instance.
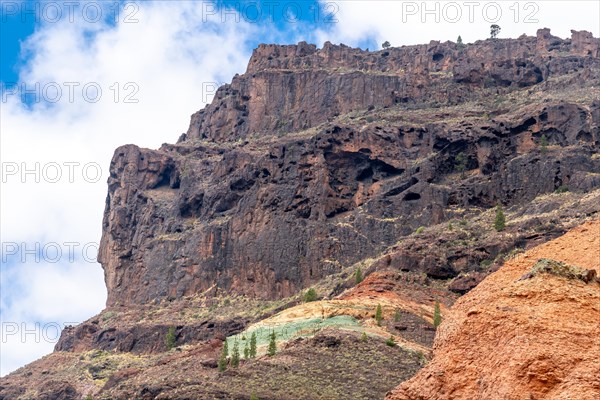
(412, 196)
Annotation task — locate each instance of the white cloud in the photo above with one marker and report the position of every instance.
(418, 22)
(168, 55)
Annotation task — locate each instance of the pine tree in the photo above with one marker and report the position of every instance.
(235, 355)
(223, 358)
(386, 44)
(358, 276)
(379, 315)
(246, 351)
(226, 348)
(461, 164)
(544, 144)
(272, 349)
(494, 31)
(437, 315)
(459, 42)
(170, 339)
(252, 350)
(500, 221)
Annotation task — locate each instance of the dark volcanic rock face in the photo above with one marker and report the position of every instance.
(287, 88)
(149, 338)
(238, 206)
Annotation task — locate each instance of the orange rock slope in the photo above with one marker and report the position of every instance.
(527, 339)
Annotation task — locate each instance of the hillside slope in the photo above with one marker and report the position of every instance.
(522, 335)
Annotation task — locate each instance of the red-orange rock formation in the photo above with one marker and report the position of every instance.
(521, 336)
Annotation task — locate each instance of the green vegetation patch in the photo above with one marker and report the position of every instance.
(558, 268)
(292, 330)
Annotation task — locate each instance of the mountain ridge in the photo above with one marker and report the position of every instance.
(313, 166)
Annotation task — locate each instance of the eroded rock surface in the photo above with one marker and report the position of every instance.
(241, 205)
(512, 338)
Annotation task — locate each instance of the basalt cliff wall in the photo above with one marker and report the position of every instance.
(315, 159)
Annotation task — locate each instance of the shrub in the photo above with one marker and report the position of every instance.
(363, 337)
(562, 189)
(310, 295)
(246, 351)
(253, 397)
(500, 221)
(170, 339)
(391, 342)
(272, 349)
(358, 276)
(437, 315)
(558, 268)
(378, 315)
(252, 351)
(420, 230)
(386, 44)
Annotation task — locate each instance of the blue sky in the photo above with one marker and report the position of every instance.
(162, 54)
(306, 16)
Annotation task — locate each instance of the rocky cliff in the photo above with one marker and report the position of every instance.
(317, 164)
(315, 159)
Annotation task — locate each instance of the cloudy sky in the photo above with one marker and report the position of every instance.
(82, 78)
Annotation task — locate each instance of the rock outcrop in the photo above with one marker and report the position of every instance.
(515, 338)
(242, 206)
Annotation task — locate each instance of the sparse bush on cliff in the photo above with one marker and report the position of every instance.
(364, 337)
(386, 45)
(391, 342)
(420, 230)
(500, 221)
(562, 189)
(170, 339)
(310, 295)
(559, 268)
(437, 315)
(378, 315)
